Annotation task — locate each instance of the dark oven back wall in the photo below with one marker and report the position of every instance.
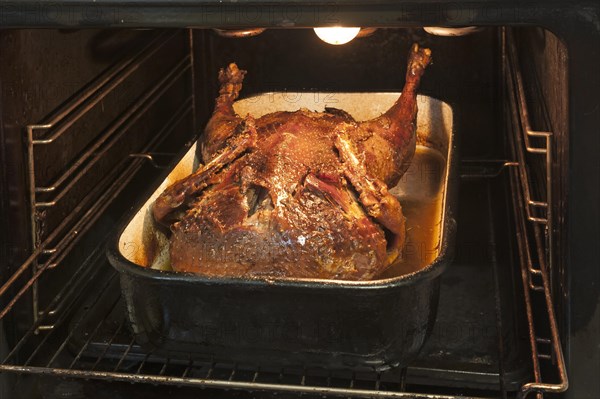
(465, 70)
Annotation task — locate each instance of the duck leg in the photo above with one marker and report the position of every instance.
(224, 120)
(391, 140)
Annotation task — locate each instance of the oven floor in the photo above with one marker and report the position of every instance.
(478, 345)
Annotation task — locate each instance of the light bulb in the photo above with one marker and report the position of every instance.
(336, 35)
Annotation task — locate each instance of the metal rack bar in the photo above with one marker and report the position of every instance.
(522, 201)
(402, 378)
(255, 376)
(497, 300)
(210, 370)
(225, 384)
(484, 168)
(125, 353)
(164, 367)
(151, 158)
(143, 363)
(191, 365)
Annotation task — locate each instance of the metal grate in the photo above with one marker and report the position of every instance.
(62, 341)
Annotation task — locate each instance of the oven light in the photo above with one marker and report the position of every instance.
(337, 35)
(442, 31)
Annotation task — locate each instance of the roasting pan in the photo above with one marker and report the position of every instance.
(336, 324)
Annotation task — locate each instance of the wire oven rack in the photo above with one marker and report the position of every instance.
(45, 355)
(533, 218)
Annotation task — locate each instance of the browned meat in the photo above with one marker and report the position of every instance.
(294, 194)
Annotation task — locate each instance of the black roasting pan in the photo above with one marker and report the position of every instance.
(302, 322)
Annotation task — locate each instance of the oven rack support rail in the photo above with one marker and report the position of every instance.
(531, 215)
(49, 252)
(533, 218)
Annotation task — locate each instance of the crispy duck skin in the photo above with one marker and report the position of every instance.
(294, 194)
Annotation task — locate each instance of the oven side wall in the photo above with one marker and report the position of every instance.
(39, 70)
(581, 311)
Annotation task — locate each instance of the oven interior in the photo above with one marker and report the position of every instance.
(89, 117)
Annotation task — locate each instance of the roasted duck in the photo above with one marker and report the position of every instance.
(294, 194)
